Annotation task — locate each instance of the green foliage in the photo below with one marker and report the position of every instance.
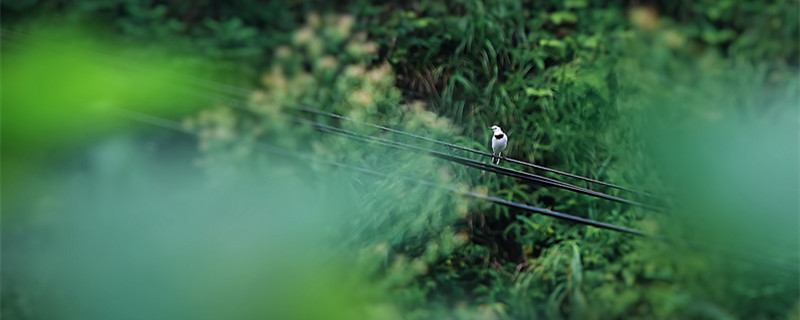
(235, 35)
(601, 89)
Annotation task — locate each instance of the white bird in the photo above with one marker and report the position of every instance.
(499, 143)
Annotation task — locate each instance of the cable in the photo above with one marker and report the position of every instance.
(530, 177)
(237, 104)
(305, 108)
(486, 154)
(787, 267)
(173, 125)
(479, 165)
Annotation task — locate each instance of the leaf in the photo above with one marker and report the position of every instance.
(561, 17)
(591, 42)
(423, 22)
(553, 43)
(529, 222)
(539, 92)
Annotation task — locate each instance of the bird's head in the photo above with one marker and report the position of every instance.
(496, 129)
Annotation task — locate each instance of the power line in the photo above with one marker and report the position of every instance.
(530, 177)
(175, 126)
(455, 146)
(525, 176)
(242, 92)
(787, 267)
(478, 165)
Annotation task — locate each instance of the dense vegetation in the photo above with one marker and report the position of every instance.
(638, 94)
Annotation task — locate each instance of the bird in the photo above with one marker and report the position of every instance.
(499, 143)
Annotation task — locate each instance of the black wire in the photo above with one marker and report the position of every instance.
(455, 146)
(530, 177)
(479, 165)
(173, 125)
(305, 108)
(525, 176)
(787, 267)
